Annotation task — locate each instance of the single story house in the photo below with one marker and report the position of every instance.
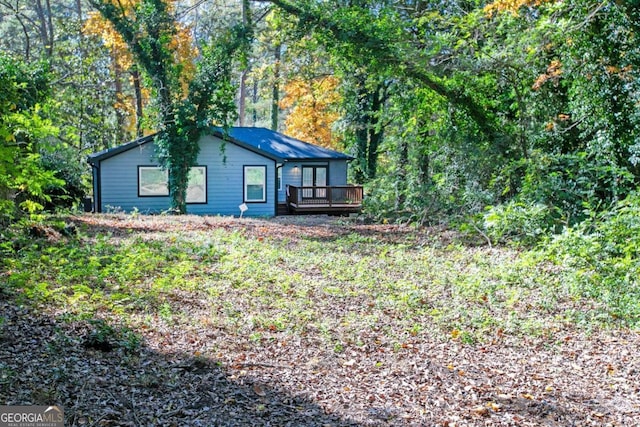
(250, 171)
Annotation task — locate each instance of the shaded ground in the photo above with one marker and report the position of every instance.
(202, 376)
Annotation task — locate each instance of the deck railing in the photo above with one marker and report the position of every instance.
(331, 197)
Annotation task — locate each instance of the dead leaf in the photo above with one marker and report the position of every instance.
(481, 411)
(494, 406)
(257, 389)
(610, 369)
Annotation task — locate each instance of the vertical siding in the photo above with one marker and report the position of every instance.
(225, 187)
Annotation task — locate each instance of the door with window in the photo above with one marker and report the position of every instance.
(314, 176)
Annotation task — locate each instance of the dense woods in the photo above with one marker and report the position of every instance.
(491, 280)
(500, 114)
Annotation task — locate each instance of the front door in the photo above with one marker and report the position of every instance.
(314, 176)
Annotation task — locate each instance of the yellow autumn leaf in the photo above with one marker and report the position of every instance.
(494, 406)
(511, 6)
(181, 45)
(312, 112)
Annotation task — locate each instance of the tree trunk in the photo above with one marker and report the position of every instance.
(255, 101)
(135, 74)
(81, 99)
(242, 96)
(401, 180)
(50, 22)
(45, 26)
(275, 92)
(375, 131)
(360, 123)
(423, 157)
(119, 96)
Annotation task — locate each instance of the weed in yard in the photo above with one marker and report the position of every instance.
(106, 337)
(336, 287)
(165, 313)
(7, 376)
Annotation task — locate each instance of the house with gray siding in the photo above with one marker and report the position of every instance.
(253, 171)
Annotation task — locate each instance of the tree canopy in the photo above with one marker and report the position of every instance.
(450, 108)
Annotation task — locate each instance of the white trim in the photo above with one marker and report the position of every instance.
(263, 184)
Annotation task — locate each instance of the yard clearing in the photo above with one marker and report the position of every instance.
(303, 321)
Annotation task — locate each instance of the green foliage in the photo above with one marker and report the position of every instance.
(67, 168)
(347, 287)
(23, 86)
(518, 222)
(553, 192)
(446, 108)
(599, 260)
(182, 120)
(106, 337)
(23, 180)
(558, 85)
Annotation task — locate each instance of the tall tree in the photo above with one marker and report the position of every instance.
(242, 94)
(149, 31)
(375, 37)
(314, 109)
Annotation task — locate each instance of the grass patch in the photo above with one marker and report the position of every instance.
(346, 288)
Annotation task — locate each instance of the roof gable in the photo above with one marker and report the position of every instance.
(264, 141)
(105, 154)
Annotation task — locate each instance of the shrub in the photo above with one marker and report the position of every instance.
(600, 258)
(565, 183)
(519, 222)
(65, 166)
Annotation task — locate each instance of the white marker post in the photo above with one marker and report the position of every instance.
(243, 208)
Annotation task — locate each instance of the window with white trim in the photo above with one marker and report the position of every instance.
(255, 184)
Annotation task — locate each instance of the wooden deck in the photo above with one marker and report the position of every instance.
(332, 200)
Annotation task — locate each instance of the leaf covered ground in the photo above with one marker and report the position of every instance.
(302, 321)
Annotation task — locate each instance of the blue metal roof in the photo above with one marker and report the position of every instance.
(264, 141)
(279, 146)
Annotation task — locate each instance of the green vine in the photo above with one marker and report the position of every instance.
(182, 121)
